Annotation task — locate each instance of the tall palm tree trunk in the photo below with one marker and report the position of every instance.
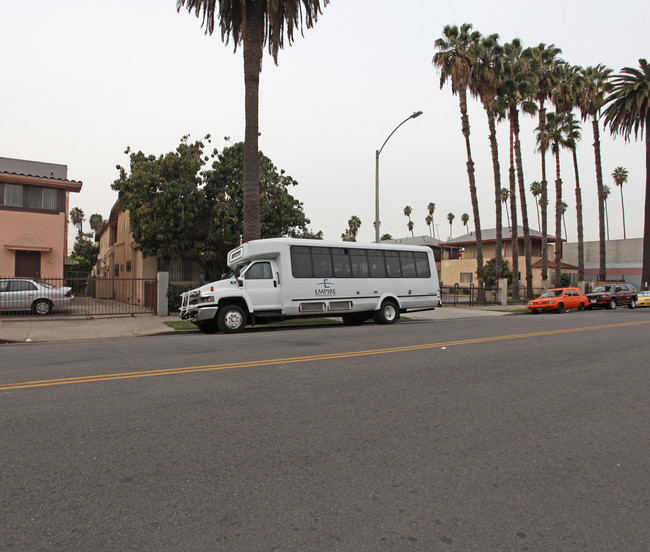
(513, 214)
(558, 218)
(524, 212)
(544, 200)
(601, 201)
(253, 43)
(462, 94)
(496, 168)
(581, 243)
(645, 270)
(623, 209)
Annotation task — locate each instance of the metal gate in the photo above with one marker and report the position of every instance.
(91, 296)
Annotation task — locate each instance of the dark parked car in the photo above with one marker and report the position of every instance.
(612, 295)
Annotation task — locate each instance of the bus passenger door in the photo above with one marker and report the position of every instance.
(262, 285)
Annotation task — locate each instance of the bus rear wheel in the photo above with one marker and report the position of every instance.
(388, 313)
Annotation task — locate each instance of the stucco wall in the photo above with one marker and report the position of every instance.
(49, 228)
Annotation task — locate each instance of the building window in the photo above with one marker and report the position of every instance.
(33, 198)
(13, 195)
(466, 277)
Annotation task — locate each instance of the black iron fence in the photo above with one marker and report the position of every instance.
(469, 296)
(77, 296)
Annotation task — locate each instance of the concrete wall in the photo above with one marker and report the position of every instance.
(623, 259)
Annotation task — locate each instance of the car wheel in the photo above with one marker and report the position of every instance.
(581, 306)
(387, 314)
(231, 319)
(632, 303)
(42, 307)
(612, 304)
(560, 308)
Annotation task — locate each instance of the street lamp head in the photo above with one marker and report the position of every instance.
(416, 114)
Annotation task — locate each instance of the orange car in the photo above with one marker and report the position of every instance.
(559, 300)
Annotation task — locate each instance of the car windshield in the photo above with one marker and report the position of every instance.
(601, 289)
(644, 294)
(552, 293)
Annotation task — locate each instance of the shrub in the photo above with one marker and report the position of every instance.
(174, 296)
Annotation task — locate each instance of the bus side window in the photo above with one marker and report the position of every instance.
(359, 260)
(377, 264)
(408, 264)
(341, 261)
(322, 261)
(422, 265)
(393, 269)
(301, 262)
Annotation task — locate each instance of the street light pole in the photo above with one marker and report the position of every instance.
(377, 233)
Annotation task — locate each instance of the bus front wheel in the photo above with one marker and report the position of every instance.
(388, 313)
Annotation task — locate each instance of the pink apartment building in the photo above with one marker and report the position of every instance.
(34, 202)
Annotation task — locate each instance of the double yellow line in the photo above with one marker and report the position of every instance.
(271, 362)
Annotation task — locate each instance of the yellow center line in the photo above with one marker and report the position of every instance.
(331, 356)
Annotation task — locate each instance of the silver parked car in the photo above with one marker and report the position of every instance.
(21, 294)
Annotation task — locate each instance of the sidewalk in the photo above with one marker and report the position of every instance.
(54, 328)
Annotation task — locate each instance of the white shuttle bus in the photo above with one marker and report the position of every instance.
(279, 278)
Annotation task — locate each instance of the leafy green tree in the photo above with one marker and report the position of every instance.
(253, 24)
(85, 252)
(491, 278)
(628, 110)
(180, 209)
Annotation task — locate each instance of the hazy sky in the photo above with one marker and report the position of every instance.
(84, 80)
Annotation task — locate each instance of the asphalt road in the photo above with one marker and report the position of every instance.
(509, 434)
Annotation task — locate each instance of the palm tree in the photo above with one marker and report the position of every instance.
(488, 76)
(410, 227)
(518, 85)
(505, 195)
(593, 88)
(354, 224)
(628, 110)
(455, 60)
(431, 208)
(606, 191)
(555, 123)
(254, 24)
(77, 218)
(407, 213)
(429, 220)
(536, 190)
(620, 177)
(571, 138)
(464, 219)
(450, 218)
(548, 58)
(96, 221)
(563, 209)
